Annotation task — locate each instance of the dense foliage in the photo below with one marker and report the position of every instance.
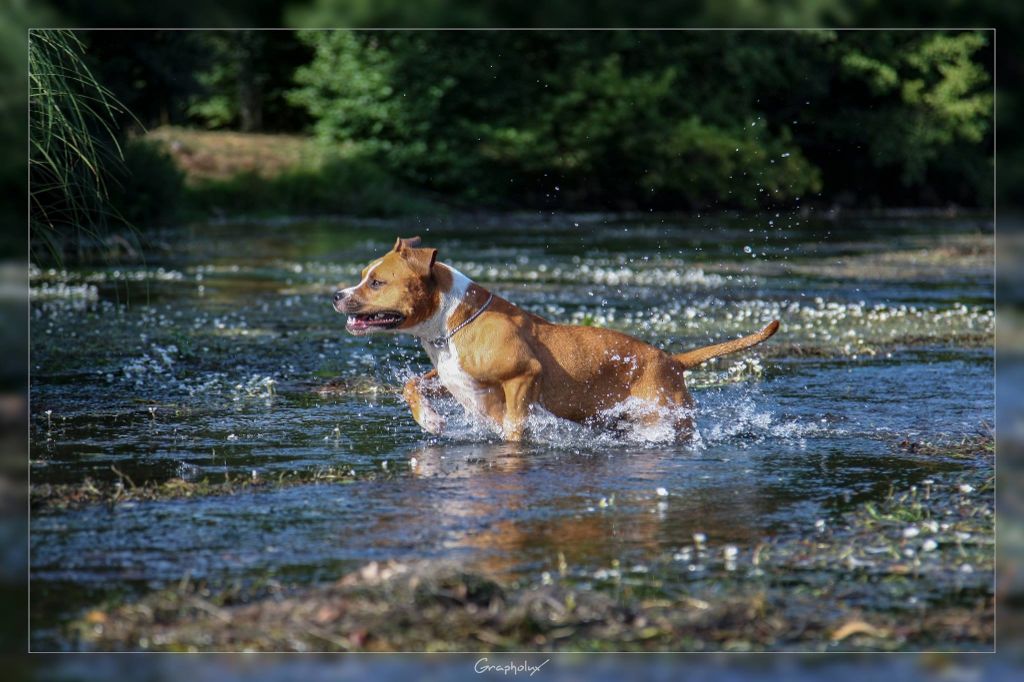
(212, 79)
(539, 119)
(663, 119)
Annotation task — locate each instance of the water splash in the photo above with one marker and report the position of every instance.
(725, 417)
(739, 419)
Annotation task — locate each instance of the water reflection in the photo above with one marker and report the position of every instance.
(527, 506)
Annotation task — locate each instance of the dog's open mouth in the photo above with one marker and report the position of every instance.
(386, 319)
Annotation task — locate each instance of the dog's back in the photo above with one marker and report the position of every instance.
(591, 369)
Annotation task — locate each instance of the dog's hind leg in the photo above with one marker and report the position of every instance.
(666, 404)
(662, 419)
(416, 393)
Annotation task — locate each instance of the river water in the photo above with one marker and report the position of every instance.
(220, 355)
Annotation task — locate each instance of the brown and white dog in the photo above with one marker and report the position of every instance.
(501, 362)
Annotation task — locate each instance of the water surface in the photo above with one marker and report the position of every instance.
(221, 355)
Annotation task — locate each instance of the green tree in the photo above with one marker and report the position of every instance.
(920, 105)
(602, 119)
(245, 78)
(663, 119)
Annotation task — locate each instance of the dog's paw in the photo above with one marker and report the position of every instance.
(430, 421)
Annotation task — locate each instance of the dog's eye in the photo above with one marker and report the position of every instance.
(376, 284)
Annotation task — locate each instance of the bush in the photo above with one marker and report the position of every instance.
(148, 189)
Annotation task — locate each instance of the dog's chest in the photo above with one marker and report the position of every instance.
(466, 391)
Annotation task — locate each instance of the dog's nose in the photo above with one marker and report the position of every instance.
(339, 296)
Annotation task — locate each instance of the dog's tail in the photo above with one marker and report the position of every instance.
(693, 358)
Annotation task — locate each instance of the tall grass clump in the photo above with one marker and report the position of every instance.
(73, 147)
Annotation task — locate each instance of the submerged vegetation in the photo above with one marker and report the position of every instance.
(119, 488)
(123, 489)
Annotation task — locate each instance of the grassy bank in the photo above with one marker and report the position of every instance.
(229, 173)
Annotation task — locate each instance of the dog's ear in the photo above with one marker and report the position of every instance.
(421, 260)
(403, 244)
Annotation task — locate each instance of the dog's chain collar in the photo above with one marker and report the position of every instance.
(442, 341)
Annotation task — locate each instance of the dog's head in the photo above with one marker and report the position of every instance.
(397, 291)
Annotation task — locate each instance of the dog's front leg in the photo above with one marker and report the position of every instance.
(416, 391)
(521, 393)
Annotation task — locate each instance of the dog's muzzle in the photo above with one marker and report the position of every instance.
(342, 301)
